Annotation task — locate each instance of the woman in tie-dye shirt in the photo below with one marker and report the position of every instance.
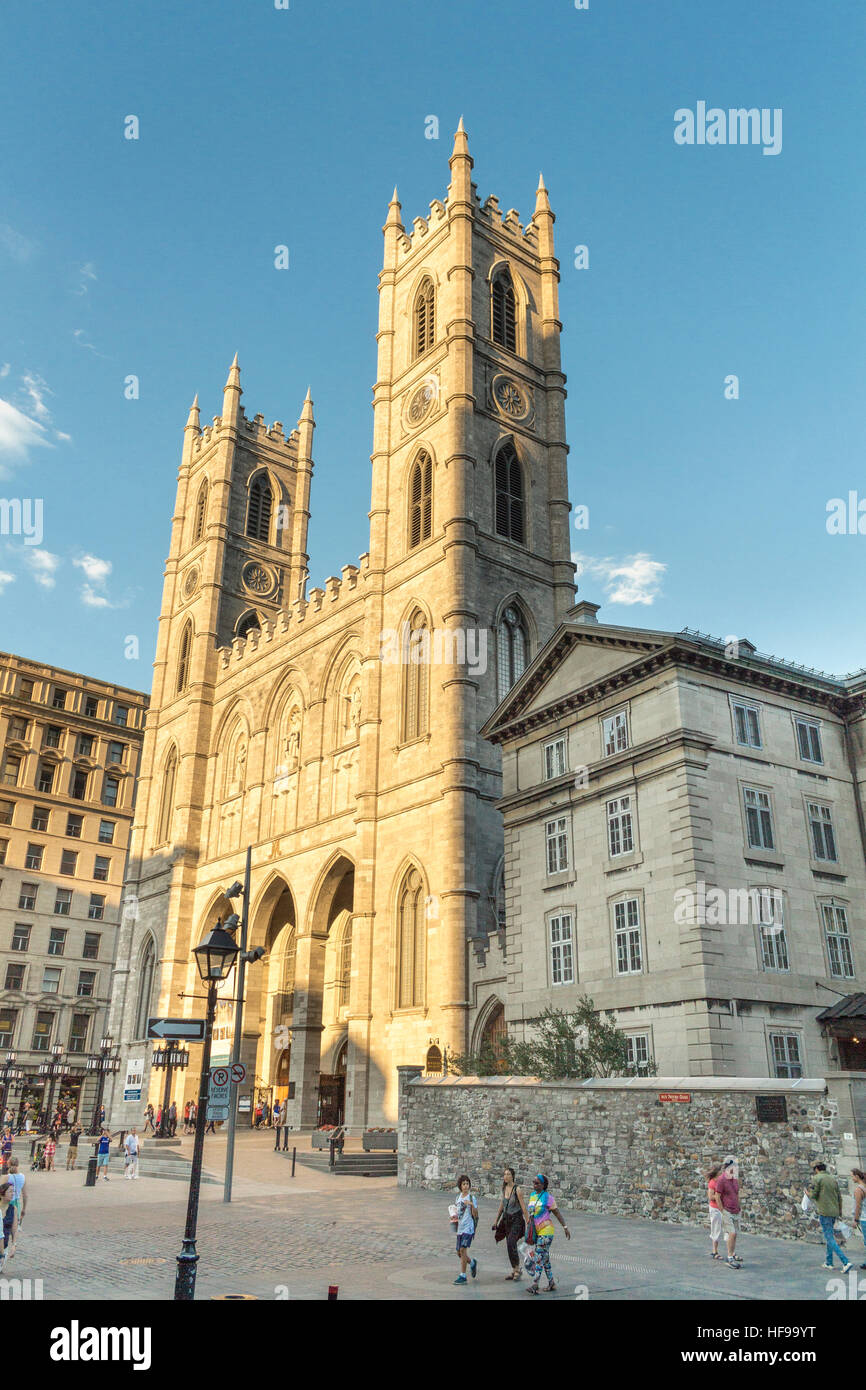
(542, 1208)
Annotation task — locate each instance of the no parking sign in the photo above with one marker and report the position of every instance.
(218, 1093)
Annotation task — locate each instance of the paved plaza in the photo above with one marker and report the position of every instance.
(285, 1237)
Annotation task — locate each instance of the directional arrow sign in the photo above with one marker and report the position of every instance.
(192, 1028)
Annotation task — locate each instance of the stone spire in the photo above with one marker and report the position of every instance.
(542, 202)
(193, 420)
(307, 411)
(232, 394)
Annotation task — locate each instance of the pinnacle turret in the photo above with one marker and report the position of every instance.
(193, 419)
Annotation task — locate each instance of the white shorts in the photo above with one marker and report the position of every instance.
(715, 1224)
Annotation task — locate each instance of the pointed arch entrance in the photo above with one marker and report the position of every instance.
(268, 1014)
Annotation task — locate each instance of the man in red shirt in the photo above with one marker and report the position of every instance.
(728, 1191)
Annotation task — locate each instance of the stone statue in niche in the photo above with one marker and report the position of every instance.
(293, 741)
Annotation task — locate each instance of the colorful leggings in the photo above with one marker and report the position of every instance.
(540, 1261)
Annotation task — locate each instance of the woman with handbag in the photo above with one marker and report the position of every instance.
(539, 1233)
(510, 1220)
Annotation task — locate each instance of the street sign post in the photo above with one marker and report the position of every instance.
(188, 1029)
(219, 1086)
(239, 1072)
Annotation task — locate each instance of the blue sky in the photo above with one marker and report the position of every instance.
(261, 126)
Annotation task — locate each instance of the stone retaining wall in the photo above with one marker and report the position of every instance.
(614, 1147)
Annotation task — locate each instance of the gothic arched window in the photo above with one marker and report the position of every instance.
(424, 318)
(183, 659)
(511, 648)
(509, 495)
(200, 513)
(411, 941)
(146, 971)
(344, 965)
(259, 508)
(420, 500)
(503, 311)
(166, 802)
(416, 680)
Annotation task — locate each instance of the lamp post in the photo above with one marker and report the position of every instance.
(9, 1072)
(104, 1064)
(245, 957)
(53, 1070)
(215, 958)
(168, 1057)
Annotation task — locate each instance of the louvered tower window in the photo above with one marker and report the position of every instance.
(183, 658)
(509, 495)
(411, 942)
(259, 509)
(166, 805)
(416, 666)
(200, 513)
(511, 646)
(425, 318)
(503, 311)
(420, 500)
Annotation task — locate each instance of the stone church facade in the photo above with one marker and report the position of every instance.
(336, 730)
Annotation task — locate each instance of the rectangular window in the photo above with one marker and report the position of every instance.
(91, 706)
(821, 827)
(51, 979)
(14, 976)
(556, 837)
(42, 1031)
(620, 838)
(25, 689)
(747, 725)
(86, 983)
(51, 737)
(4, 847)
(63, 902)
(96, 910)
(110, 789)
(626, 921)
(39, 819)
(7, 809)
(11, 770)
(27, 896)
(73, 826)
(91, 945)
(58, 698)
(121, 715)
(615, 733)
(787, 1061)
(18, 728)
(769, 916)
(68, 861)
(78, 1033)
(116, 751)
(638, 1050)
(106, 832)
(554, 759)
(8, 1019)
(57, 941)
(21, 936)
(85, 745)
(101, 865)
(561, 950)
(835, 919)
(78, 787)
(45, 778)
(759, 818)
(809, 741)
(33, 857)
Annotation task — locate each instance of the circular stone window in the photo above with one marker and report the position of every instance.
(509, 397)
(258, 579)
(190, 583)
(421, 401)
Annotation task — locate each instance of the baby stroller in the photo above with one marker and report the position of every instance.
(37, 1164)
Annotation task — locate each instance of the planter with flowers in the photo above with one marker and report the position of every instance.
(379, 1139)
(321, 1137)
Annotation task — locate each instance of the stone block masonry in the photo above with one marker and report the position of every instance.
(612, 1146)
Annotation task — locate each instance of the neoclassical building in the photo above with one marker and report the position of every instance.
(336, 730)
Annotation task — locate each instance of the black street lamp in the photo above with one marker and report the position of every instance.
(9, 1072)
(215, 958)
(168, 1057)
(104, 1064)
(52, 1070)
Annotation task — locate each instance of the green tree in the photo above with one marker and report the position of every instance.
(576, 1044)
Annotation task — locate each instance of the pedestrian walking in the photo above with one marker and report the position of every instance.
(5, 1149)
(824, 1192)
(49, 1152)
(172, 1120)
(102, 1117)
(859, 1195)
(27, 1117)
(20, 1189)
(148, 1119)
(9, 1212)
(715, 1204)
(511, 1218)
(210, 1127)
(103, 1154)
(8, 1119)
(467, 1220)
(278, 1123)
(72, 1150)
(193, 1115)
(728, 1191)
(159, 1120)
(186, 1118)
(541, 1209)
(258, 1116)
(132, 1145)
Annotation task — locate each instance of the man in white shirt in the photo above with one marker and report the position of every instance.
(132, 1145)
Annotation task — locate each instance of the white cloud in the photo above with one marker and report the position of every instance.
(96, 570)
(80, 336)
(43, 566)
(16, 245)
(18, 433)
(5, 369)
(633, 579)
(6, 578)
(37, 389)
(91, 599)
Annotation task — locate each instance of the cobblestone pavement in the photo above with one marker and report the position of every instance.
(291, 1238)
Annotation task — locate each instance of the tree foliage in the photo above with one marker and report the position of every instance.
(564, 1045)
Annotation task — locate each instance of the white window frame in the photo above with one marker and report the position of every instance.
(786, 1066)
(744, 708)
(827, 832)
(615, 733)
(769, 917)
(620, 826)
(833, 916)
(759, 793)
(629, 926)
(813, 739)
(631, 1039)
(560, 945)
(54, 970)
(555, 766)
(556, 845)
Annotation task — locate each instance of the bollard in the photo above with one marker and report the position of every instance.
(294, 1156)
(333, 1290)
(90, 1179)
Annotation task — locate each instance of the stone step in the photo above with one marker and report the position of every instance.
(366, 1165)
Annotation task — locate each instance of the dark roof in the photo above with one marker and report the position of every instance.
(852, 1006)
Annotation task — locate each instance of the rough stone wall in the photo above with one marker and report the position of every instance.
(616, 1149)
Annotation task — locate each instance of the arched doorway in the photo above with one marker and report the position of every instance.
(332, 1090)
(270, 990)
(490, 1045)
